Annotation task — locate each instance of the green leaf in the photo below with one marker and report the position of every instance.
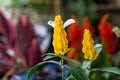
(116, 59)
(48, 54)
(114, 70)
(70, 49)
(77, 73)
(34, 68)
(117, 31)
(86, 66)
(48, 57)
(64, 57)
(69, 78)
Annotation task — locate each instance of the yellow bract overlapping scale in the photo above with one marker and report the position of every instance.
(60, 41)
(88, 46)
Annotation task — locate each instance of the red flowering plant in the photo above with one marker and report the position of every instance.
(86, 25)
(106, 34)
(116, 30)
(74, 38)
(77, 70)
(110, 49)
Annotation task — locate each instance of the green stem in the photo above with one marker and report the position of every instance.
(62, 65)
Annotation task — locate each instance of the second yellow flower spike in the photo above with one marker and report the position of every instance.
(88, 49)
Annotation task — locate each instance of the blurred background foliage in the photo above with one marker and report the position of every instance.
(94, 9)
(83, 8)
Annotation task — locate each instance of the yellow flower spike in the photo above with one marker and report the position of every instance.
(60, 42)
(90, 51)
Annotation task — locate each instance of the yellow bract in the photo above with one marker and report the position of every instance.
(60, 41)
(88, 46)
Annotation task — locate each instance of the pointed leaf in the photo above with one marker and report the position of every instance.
(65, 57)
(34, 68)
(114, 70)
(86, 64)
(77, 73)
(69, 78)
(48, 57)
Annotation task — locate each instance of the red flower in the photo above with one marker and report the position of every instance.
(74, 38)
(106, 34)
(74, 31)
(73, 54)
(86, 25)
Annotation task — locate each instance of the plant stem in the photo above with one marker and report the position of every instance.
(62, 65)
